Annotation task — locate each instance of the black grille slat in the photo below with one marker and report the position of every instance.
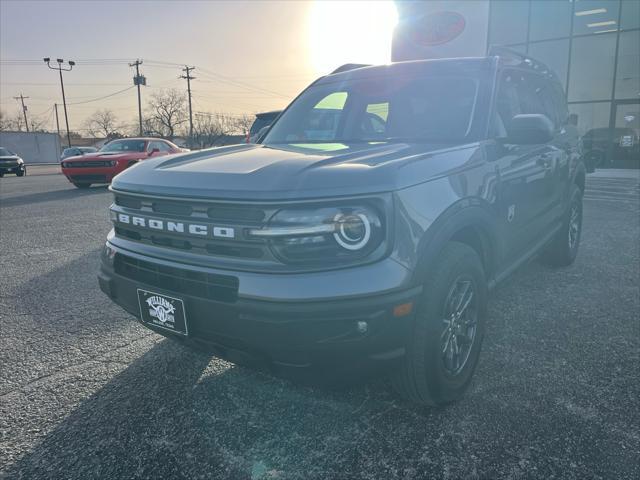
(128, 202)
(238, 214)
(209, 286)
(89, 164)
(172, 208)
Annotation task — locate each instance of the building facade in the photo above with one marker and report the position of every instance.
(592, 45)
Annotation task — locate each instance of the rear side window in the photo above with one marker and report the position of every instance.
(525, 93)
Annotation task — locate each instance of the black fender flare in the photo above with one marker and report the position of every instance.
(466, 213)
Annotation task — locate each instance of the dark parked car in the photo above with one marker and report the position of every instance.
(344, 241)
(76, 151)
(262, 121)
(604, 146)
(11, 163)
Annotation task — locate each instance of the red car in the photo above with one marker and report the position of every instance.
(113, 158)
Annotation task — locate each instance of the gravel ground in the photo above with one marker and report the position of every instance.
(87, 393)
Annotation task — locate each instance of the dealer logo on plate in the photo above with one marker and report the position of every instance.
(161, 309)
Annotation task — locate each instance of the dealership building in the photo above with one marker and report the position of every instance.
(592, 45)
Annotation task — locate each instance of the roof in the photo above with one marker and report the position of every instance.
(470, 64)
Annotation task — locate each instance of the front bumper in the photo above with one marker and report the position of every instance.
(287, 336)
(11, 167)
(91, 174)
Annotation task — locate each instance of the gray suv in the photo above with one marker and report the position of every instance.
(365, 230)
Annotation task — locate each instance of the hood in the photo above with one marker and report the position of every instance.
(292, 171)
(9, 157)
(106, 156)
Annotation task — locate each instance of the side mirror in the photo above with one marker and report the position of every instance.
(155, 150)
(528, 129)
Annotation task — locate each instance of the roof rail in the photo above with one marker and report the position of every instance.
(515, 58)
(349, 66)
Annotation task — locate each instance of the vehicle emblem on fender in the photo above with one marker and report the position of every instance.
(161, 309)
(511, 213)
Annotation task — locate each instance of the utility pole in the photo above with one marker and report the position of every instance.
(137, 81)
(24, 110)
(188, 70)
(55, 106)
(71, 63)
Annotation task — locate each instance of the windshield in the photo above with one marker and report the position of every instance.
(5, 153)
(124, 146)
(435, 108)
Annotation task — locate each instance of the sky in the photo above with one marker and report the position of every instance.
(250, 56)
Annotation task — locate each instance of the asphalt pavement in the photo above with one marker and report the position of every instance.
(87, 393)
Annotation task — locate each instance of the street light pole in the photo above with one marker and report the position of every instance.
(71, 63)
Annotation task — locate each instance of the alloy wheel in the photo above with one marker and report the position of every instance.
(460, 326)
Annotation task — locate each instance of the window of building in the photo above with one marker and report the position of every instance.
(508, 22)
(630, 16)
(593, 118)
(595, 16)
(554, 54)
(592, 65)
(628, 73)
(550, 19)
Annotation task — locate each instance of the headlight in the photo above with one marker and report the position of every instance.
(64, 164)
(326, 235)
(113, 163)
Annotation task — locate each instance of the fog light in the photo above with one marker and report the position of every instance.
(363, 327)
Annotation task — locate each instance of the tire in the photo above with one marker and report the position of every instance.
(21, 173)
(428, 376)
(1, 174)
(82, 185)
(563, 249)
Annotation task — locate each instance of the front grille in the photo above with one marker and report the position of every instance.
(88, 164)
(239, 217)
(222, 288)
(89, 178)
(8, 164)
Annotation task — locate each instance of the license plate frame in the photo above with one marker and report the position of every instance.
(163, 311)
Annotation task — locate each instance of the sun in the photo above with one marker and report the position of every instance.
(349, 32)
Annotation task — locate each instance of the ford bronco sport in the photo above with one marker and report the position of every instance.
(365, 229)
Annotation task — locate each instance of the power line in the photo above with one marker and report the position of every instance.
(103, 97)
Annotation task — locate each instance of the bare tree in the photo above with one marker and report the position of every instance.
(243, 124)
(13, 123)
(211, 129)
(102, 123)
(166, 111)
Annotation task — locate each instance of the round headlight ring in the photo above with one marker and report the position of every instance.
(342, 236)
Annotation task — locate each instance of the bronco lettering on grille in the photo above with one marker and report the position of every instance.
(177, 227)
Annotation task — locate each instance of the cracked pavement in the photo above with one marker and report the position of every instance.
(85, 392)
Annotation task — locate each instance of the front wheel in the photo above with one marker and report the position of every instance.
(82, 185)
(444, 347)
(563, 249)
(22, 172)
